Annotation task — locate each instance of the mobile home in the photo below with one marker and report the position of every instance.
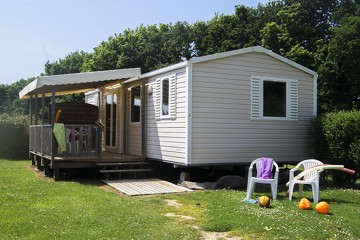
(223, 109)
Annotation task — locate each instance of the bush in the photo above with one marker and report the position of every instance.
(337, 141)
(14, 137)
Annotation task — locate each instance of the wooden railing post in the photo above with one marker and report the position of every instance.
(43, 108)
(52, 125)
(36, 110)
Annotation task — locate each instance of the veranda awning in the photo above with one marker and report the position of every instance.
(76, 82)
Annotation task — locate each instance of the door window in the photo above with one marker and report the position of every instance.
(110, 124)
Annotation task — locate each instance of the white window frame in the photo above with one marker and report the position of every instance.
(131, 107)
(162, 98)
(171, 98)
(257, 98)
(113, 122)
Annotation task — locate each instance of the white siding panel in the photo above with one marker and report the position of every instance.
(223, 131)
(166, 138)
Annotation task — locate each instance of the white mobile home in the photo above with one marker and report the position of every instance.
(222, 109)
(227, 108)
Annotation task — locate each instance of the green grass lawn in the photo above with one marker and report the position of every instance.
(32, 207)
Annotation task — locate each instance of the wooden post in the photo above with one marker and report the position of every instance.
(30, 111)
(56, 170)
(43, 108)
(123, 116)
(36, 110)
(31, 132)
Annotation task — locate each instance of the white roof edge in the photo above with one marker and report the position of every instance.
(249, 50)
(159, 71)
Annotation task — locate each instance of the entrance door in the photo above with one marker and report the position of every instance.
(111, 121)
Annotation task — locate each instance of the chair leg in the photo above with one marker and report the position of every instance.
(291, 189)
(274, 191)
(250, 189)
(315, 191)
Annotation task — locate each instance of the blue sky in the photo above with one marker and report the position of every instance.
(35, 31)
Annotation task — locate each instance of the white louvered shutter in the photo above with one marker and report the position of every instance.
(157, 99)
(172, 102)
(92, 98)
(255, 98)
(293, 116)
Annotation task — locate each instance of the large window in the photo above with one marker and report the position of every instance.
(135, 104)
(274, 98)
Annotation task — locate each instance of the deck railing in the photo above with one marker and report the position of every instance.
(81, 141)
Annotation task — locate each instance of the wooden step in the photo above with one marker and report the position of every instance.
(126, 170)
(121, 163)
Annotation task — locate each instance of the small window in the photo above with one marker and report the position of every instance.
(135, 104)
(274, 100)
(165, 97)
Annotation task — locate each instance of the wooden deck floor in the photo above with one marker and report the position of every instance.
(105, 157)
(134, 187)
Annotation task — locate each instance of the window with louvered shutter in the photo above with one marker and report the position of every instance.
(293, 100)
(255, 98)
(157, 98)
(273, 98)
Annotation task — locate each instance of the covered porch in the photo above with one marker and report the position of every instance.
(70, 135)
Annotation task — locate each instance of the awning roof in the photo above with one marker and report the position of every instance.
(76, 82)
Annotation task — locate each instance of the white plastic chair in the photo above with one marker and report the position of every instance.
(312, 178)
(253, 180)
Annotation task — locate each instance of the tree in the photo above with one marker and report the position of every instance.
(229, 32)
(147, 47)
(340, 73)
(9, 97)
(72, 63)
(299, 27)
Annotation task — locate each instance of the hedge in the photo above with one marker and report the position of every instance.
(14, 137)
(337, 141)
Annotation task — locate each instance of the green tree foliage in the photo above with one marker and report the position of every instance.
(147, 47)
(72, 63)
(296, 32)
(9, 97)
(229, 32)
(341, 72)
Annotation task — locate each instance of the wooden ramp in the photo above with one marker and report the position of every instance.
(134, 187)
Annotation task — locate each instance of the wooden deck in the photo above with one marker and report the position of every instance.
(52, 167)
(104, 157)
(135, 187)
